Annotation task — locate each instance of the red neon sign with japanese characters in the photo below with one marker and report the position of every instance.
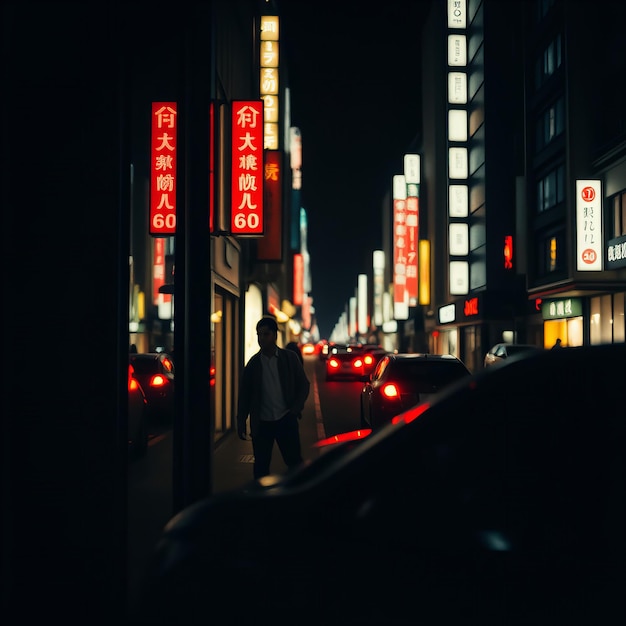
(163, 169)
(247, 169)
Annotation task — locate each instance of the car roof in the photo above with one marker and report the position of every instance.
(423, 356)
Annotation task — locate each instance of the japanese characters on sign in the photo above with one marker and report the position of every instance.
(400, 249)
(163, 169)
(247, 168)
(588, 225)
(269, 85)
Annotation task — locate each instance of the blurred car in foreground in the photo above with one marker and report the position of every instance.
(402, 380)
(499, 502)
(345, 362)
(137, 416)
(501, 351)
(155, 372)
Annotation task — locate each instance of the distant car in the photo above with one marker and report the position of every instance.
(372, 353)
(156, 373)
(402, 380)
(137, 416)
(325, 350)
(345, 362)
(489, 505)
(501, 351)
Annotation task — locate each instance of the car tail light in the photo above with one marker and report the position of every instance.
(368, 359)
(353, 435)
(334, 363)
(357, 363)
(411, 414)
(389, 390)
(212, 376)
(167, 364)
(158, 380)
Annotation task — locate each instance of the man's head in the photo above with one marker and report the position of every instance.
(267, 333)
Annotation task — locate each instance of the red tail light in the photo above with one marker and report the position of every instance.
(133, 385)
(340, 438)
(158, 380)
(334, 363)
(167, 364)
(411, 414)
(357, 363)
(390, 391)
(369, 359)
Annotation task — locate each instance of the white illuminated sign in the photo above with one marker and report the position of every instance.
(459, 239)
(458, 163)
(447, 314)
(457, 88)
(457, 125)
(457, 50)
(459, 278)
(362, 304)
(457, 14)
(588, 225)
(458, 201)
(412, 168)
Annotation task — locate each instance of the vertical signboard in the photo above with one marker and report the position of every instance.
(163, 169)
(247, 169)
(269, 80)
(412, 179)
(588, 225)
(158, 276)
(298, 279)
(400, 243)
(270, 245)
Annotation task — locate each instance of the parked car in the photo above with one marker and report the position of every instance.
(498, 502)
(137, 416)
(156, 373)
(403, 380)
(345, 362)
(501, 351)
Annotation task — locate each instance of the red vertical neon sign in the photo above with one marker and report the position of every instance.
(163, 169)
(247, 168)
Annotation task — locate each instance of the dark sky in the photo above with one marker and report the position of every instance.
(355, 95)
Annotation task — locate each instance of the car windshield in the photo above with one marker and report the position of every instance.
(429, 375)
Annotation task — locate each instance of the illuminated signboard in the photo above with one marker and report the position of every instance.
(247, 168)
(163, 169)
(269, 79)
(298, 279)
(558, 309)
(508, 252)
(588, 225)
(159, 278)
(270, 245)
(400, 249)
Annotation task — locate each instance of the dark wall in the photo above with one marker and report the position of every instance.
(65, 243)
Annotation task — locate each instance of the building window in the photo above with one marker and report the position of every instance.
(549, 61)
(551, 124)
(607, 319)
(617, 215)
(552, 253)
(551, 189)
